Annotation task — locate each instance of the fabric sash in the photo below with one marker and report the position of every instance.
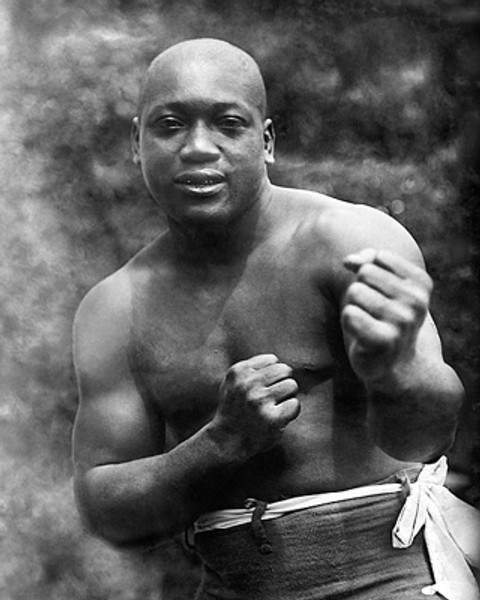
(451, 526)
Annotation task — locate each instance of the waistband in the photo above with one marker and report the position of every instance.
(451, 526)
(233, 517)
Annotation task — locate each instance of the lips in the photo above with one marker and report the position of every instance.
(201, 182)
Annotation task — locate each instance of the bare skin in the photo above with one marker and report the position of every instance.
(273, 342)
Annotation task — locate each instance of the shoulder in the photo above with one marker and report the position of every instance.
(107, 307)
(101, 323)
(103, 317)
(353, 227)
(342, 227)
(327, 230)
(111, 298)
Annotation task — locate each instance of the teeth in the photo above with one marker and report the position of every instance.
(205, 183)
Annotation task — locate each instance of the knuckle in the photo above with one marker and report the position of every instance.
(349, 313)
(292, 385)
(254, 394)
(420, 301)
(354, 290)
(418, 297)
(383, 255)
(289, 411)
(423, 279)
(365, 272)
(283, 367)
(425, 292)
(268, 414)
(247, 383)
(237, 382)
(275, 369)
(392, 336)
(295, 403)
(380, 336)
(404, 316)
(296, 406)
(234, 371)
(284, 371)
(428, 283)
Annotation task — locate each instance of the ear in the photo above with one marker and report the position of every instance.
(269, 141)
(135, 141)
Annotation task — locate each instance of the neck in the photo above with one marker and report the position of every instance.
(225, 242)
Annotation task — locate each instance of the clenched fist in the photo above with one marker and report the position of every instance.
(257, 401)
(384, 309)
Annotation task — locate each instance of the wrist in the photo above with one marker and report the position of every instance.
(399, 375)
(228, 443)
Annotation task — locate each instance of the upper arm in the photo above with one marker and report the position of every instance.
(113, 424)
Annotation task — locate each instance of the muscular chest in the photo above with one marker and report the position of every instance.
(187, 335)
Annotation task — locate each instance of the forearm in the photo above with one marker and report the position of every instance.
(414, 410)
(156, 496)
(153, 498)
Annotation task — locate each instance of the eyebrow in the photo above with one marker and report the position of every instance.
(180, 106)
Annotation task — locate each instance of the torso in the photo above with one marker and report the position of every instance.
(188, 329)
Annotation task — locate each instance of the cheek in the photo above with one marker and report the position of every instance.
(156, 162)
(249, 155)
(155, 176)
(153, 152)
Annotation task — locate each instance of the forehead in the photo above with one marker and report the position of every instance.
(203, 80)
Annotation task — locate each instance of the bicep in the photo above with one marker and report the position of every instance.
(115, 426)
(114, 423)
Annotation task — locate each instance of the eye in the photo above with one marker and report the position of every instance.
(168, 124)
(231, 123)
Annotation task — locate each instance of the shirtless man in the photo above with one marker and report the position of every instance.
(273, 343)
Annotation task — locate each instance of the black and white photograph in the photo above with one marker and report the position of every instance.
(239, 299)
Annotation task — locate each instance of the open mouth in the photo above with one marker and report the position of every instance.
(201, 182)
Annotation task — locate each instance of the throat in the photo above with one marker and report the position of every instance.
(222, 243)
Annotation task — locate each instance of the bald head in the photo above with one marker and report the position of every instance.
(205, 55)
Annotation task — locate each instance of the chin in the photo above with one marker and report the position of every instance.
(208, 219)
(212, 213)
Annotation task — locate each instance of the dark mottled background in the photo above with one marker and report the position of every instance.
(375, 101)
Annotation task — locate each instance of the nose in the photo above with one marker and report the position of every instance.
(199, 146)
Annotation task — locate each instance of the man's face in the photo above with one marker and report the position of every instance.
(202, 141)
